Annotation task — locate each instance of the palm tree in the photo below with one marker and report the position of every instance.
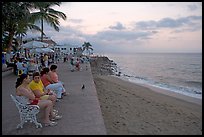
(87, 46)
(48, 14)
(24, 26)
(12, 12)
(15, 18)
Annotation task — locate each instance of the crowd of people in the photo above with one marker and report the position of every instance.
(74, 63)
(43, 90)
(39, 61)
(21, 62)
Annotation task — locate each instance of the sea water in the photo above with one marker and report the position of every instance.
(175, 72)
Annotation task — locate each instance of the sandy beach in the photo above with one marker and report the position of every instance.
(129, 108)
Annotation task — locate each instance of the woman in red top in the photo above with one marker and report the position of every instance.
(54, 77)
(50, 84)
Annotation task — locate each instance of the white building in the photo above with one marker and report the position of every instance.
(68, 49)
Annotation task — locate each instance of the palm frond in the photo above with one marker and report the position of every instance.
(57, 13)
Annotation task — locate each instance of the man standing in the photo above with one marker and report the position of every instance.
(46, 60)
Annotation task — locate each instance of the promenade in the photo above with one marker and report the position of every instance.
(80, 110)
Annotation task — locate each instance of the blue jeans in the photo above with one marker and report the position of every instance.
(57, 88)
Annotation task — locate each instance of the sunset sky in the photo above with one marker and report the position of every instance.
(130, 27)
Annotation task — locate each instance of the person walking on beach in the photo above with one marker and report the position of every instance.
(22, 89)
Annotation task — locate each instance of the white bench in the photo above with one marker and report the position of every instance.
(27, 112)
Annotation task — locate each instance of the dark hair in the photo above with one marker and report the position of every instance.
(20, 79)
(53, 67)
(44, 71)
(36, 74)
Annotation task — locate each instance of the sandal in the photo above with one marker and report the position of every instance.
(57, 117)
(52, 123)
(65, 94)
(58, 100)
(55, 111)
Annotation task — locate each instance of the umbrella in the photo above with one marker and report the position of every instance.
(41, 50)
(47, 50)
(34, 44)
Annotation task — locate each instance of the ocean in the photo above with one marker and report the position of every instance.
(175, 72)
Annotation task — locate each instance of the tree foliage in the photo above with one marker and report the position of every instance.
(47, 14)
(17, 19)
(87, 46)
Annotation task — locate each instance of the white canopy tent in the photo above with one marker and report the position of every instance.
(41, 50)
(34, 44)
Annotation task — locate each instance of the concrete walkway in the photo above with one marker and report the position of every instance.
(80, 110)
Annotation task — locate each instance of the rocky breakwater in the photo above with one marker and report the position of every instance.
(103, 66)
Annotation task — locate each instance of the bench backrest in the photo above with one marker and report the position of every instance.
(27, 112)
(20, 101)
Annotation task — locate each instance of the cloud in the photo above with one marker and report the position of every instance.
(75, 20)
(118, 26)
(146, 24)
(193, 29)
(154, 31)
(194, 23)
(170, 23)
(103, 41)
(192, 7)
(118, 38)
(111, 35)
(65, 35)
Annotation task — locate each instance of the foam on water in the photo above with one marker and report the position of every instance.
(196, 93)
(183, 81)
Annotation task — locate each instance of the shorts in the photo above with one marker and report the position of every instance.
(77, 65)
(34, 102)
(44, 97)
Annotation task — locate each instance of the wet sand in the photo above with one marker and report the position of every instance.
(129, 108)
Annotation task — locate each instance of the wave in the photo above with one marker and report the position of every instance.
(162, 80)
(194, 83)
(189, 91)
(171, 68)
(194, 64)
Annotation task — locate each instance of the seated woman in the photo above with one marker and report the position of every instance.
(49, 84)
(54, 77)
(22, 89)
(38, 89)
